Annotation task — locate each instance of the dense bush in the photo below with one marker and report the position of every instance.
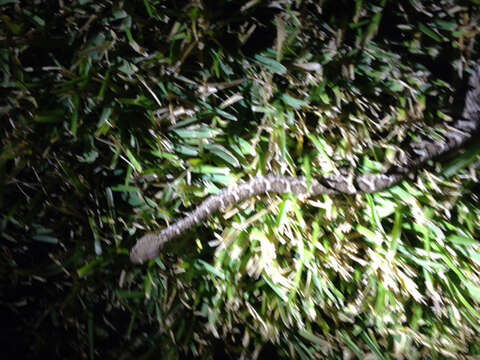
(118, 117)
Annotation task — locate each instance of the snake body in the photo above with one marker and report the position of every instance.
(458, 133)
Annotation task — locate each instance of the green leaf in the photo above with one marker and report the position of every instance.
(372, 345)
(293, 102)
(52, 116)
(186, 150)
(273, 65)
(397, 229)
(370, 235)
(311, 337)
(223, 153)
(473, 289)
(46, 239)
(89, 268)
(352, 345)
(134, 161)
(218, 273)
(207, 169)
(125, 188)
(462, 240)
(275, 289)
(462, 161)
(196, 132)
(76, 104)
(427, 31)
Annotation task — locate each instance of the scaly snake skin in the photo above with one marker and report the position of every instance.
(458, 133)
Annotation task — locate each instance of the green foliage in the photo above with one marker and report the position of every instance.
(120, 117)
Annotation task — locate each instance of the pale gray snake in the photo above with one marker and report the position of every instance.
(418, 153)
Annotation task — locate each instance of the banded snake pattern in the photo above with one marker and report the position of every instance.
(459, 132)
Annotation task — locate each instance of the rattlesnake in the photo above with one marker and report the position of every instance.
(417, 153)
